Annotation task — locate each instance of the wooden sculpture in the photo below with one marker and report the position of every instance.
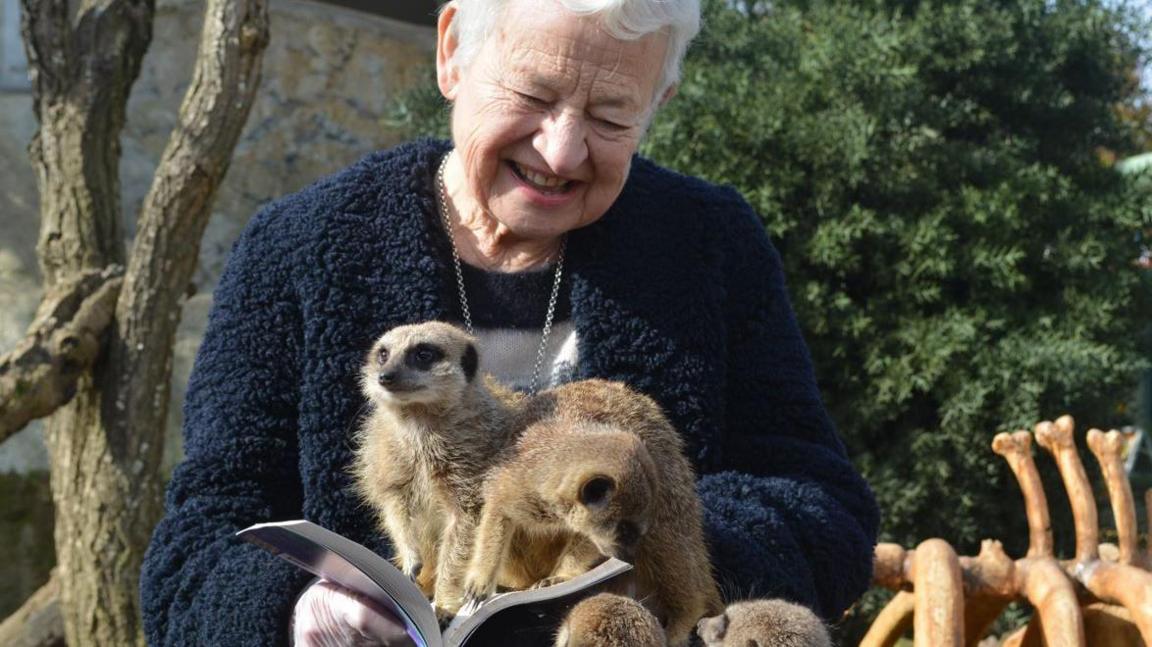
(1102, 597)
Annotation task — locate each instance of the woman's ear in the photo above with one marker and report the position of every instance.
(447, 68)
(668, 94)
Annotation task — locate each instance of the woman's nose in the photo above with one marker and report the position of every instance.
(561, 142)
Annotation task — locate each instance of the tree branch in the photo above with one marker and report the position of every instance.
(44, 24)
(82, 73)
(178, 205)
(62, 343)
(938, 589)
(38, 622)
(1109, 451)
(893, 622)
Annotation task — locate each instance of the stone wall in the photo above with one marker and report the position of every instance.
(329, 77)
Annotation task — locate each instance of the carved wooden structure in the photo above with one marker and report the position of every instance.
(1101, 597)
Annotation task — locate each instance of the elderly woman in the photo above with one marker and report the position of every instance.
(570, 257)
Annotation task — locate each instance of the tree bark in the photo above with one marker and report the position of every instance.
(106, 444)
(62, 343)
(82, 70)
(37, 623)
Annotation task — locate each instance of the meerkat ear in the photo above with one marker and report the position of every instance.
(597, 491)
(469, 362)
(721, 625)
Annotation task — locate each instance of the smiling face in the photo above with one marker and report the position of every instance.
(546, 117)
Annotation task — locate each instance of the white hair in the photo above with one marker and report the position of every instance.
(624, 19)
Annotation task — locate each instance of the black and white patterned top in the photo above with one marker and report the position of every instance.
(508, 311)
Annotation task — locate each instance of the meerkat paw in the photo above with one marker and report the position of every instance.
(443, 615)
(476, 591)
(550, 581)
(768, 623)
(473, 598)
(413, 570)
(470, 606)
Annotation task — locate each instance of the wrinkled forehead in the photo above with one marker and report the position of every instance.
(548, 45)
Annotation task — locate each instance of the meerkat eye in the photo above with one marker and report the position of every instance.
(382, 355)
(423, 356)
(596, 491)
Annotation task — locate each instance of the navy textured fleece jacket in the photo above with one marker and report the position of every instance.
(676, 291)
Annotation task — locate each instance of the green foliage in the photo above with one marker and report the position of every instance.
(960, 259)
(960, 253)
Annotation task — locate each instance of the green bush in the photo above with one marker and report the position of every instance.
(960, 258)
(960, 251)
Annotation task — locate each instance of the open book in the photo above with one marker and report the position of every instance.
(498, 621)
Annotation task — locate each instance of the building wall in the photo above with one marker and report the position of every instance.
(330, 75)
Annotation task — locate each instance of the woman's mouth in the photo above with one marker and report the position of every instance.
(542, 182)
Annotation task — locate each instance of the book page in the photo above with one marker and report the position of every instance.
(349, 564)
(529, 613)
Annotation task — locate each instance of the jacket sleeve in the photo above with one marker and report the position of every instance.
(200, 585)
(787, 514)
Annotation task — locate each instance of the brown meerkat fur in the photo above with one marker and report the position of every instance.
(581, 487)
(435, 427)
(608, 620)
(764, 623)
(673, 573)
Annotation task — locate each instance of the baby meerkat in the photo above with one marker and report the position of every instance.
(435, 427)
(603, 467)
(608, 620)
(764, 623)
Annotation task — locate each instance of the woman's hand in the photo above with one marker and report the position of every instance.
(328, 615)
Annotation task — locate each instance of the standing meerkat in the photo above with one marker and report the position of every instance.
(435, 427)
(603, 467)
(764, 623)
(608, 620)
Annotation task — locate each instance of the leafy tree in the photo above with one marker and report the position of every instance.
(959, 256)
(960, 253)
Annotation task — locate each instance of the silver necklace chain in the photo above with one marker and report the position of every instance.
(442, 206)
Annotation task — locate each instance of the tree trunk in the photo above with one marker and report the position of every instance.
(106, 444)
(82, 71)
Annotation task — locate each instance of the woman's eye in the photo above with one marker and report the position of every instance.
(612, 125)
(531, 99)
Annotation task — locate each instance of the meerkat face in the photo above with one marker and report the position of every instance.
(712, 630)
(428, 363)
(606, 487)
(771, 622)
(612, 512)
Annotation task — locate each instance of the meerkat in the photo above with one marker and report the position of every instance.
(586, 485)
(608, 620)
(604, 468)
(435, 426)
(764, 623)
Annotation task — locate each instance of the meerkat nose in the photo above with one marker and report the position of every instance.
(386, 379)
